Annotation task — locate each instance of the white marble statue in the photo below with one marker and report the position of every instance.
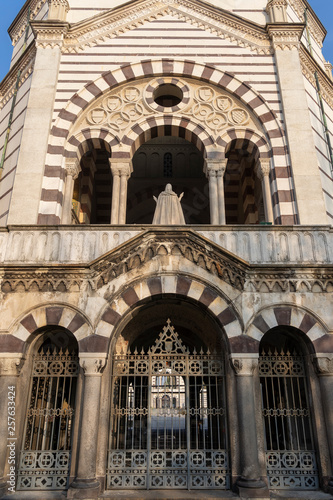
(168, 208)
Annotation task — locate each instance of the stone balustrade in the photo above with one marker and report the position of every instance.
(79, 244)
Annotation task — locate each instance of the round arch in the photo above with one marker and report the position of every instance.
(288, 315)
(115, 314)
(51, 315)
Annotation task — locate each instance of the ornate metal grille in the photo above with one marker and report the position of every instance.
(290, 455)
(168, 426)
(45, 459)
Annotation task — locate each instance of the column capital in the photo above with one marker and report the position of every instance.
(277, 11)
(323, 363)
(92, 364)
(121, 167)
(49, 34)
(244, 365)
(73, 168)
(215, 167)
(263, 168)
(11, 364)
(285, 36)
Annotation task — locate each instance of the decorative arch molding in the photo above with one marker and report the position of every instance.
(59, 146)
(88, 140)
(288, 315)
(52, 315)
(240, 138)
(178, 285)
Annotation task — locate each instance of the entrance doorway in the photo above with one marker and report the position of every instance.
(168, 421)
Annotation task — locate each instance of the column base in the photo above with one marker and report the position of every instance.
(252, 488)
(84, 489)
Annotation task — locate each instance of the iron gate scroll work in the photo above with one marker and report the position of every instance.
(290, 455)
(45, 459)
(168, 424)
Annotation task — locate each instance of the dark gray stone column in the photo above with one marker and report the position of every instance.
(250, 484)
(86, 485)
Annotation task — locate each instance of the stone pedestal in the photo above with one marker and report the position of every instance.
(86, 486)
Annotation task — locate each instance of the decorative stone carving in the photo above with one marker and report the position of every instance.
(58, 9)
(262, 169)
(11, 366)
(244, 366)
(285, 37)
(93, 364)
(277, 10)
(324, 364)
(73, 167)
(215, 168)
(168, 208)
(120, 110)
(21, 25)
(50, 35)
(112, 25)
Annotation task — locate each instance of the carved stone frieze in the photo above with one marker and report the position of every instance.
(19, 28)
(222, 25)
(151, 245)
(286, 36)
(120, 110)
(49, 34)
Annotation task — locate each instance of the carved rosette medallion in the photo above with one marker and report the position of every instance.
(132, 104)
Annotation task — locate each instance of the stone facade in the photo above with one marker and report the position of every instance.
(137, 358)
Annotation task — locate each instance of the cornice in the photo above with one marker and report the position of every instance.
(18, 26)
(158, 244)
(219, 22)
(285, 35)
(309, 67)
(317, 30)
(49, 33)
(25, 64)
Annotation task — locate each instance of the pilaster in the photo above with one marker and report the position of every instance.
(37, 124)
(306, 176)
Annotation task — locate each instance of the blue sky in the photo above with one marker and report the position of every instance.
(323, 8)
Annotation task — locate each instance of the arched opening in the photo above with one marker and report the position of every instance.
(93, 187)
(164, 160)
(47, 439)
(244, 202)
(286, 408)
(168, 417)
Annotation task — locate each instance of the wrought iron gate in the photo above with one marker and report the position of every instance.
(290, 455)
(45, 459)
(168, 425)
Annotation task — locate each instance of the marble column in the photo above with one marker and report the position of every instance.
(215, 170)
(72, 172)
(86, 485)
(10, 366)
(124, 176)
(324, 365)
(262, 170)
(121, 171)
(250, 484)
